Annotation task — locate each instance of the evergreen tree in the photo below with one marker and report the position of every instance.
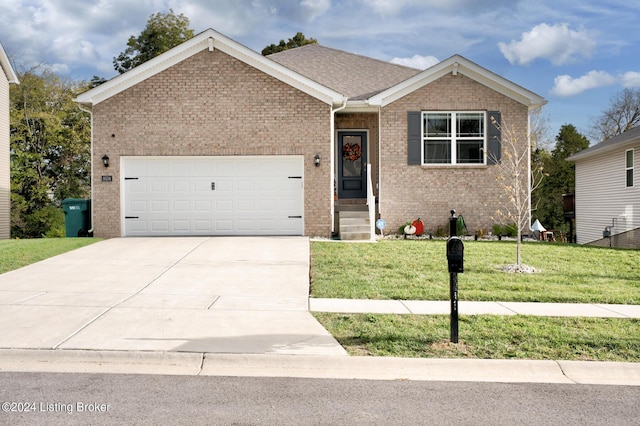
(560, 177)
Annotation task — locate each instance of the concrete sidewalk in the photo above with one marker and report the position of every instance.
(424, 307)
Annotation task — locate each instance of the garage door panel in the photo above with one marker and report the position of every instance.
(158, 168)
(181, 206)
(224, 226)
(245, 206)
(225, 168)
(223, 206)
(159, 226)
(213, 195)
(202, 206)
(203, 225)
(181, 225)
(180, 185)
(267, 206)
(159, 186)
(223, 185)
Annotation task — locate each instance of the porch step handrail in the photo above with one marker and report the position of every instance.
(371, 202)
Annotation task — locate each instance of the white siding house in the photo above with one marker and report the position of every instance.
(608, 192)
(7, 76)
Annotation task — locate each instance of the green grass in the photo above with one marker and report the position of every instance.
(15, 254)
(417, 270)
(487, 337)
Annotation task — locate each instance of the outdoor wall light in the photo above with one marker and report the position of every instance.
(316, 160)
(105, 160)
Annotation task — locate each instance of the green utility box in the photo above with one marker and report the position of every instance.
(77, 217)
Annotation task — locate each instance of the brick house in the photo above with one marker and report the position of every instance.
(7, 76)
(211, 138)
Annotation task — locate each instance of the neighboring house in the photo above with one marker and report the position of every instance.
(7, 76)
(607, 202)
(211, 138)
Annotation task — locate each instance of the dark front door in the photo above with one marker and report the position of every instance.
(352, 164)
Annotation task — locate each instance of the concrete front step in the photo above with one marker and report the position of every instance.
(354, 225)
(355, 236)
(351, 214)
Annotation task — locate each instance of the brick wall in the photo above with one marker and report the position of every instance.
(211, 104)
(408, 192)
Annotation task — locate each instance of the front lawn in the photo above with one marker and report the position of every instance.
(487, 337)
(417, 270)
(15, 254)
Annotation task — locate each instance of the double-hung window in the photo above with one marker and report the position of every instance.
(455, 138)
(629, 168)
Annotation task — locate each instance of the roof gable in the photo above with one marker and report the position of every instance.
(211, 40)
(621, 141)
(357, 76)
(6, 67)
(459, 65)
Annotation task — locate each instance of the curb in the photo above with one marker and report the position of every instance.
(324, 367)
(114, 362)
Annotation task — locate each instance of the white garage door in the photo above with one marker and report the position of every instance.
(258, 195)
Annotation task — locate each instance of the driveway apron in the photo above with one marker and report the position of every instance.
(192, 294)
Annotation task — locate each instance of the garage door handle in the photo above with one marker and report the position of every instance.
(132, 217)
(295, 177)
(295, 217)
(130, 178)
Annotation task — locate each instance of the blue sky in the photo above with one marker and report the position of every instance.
(577, 54)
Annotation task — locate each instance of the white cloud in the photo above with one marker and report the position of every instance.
(567, 86)
(315, 8)
(394, 7)
(417, 61)
(557, 43)
(630, 79)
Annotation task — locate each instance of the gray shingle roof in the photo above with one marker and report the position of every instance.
(630, 136)
(355, 76)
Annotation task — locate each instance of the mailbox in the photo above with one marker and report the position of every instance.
(455, 255)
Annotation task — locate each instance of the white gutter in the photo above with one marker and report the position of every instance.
(332, 154)
(90, 231)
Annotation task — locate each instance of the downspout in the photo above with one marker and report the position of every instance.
(90, 231)
(529, 192)
(332, 154)
(379, 160)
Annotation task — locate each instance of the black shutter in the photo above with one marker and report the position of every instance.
(494, 140)
(415, 138)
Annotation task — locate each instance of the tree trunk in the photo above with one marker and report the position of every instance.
(518, 244)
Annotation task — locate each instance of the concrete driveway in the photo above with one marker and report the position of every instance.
(208, 295)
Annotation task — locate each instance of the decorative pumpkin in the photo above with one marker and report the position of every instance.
(409, 230)
(419, 225)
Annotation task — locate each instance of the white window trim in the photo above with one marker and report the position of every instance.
(453, 139)
(632, 168)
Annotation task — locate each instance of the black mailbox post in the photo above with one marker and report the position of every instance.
(455, 261)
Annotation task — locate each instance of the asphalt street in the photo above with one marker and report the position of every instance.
(104, 399)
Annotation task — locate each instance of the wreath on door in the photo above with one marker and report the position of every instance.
(351, 152)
